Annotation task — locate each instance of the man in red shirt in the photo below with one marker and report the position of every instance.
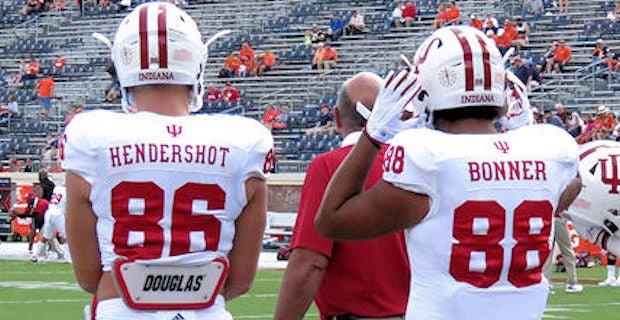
(46, 87)
(347, 280)
(59, 65)
(409, 14)
(230, 93)
(213, 94)
(267, 61)
(329, 58)
(32, 69)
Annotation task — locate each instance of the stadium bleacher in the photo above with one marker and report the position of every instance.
(279, 26)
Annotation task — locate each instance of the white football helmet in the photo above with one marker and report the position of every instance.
(598, 203)
(459, 66)
(158, 43)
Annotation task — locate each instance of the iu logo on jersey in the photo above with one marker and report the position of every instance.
(174, 130)
(610, 177)
(502, 146)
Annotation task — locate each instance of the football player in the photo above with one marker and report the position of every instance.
(35, 209)
(476, 205)
(594, 213)
(165, 211)
(55, 222)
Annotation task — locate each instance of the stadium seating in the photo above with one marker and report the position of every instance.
(279, 25)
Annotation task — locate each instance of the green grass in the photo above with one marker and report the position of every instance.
(48, 291)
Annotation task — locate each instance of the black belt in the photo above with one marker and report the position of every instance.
(355, 317)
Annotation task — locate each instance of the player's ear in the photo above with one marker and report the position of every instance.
(337, 117)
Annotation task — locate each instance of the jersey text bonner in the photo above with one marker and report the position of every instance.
(150, 152)
(507, 170)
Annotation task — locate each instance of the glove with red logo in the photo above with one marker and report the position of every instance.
(393, 110)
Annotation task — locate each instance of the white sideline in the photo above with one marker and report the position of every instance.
(19, 251)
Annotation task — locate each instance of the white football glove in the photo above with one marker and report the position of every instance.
(393, 103)
(519, 110)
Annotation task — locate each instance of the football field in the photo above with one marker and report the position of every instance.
(48, 291)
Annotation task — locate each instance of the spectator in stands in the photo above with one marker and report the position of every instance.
(247, 51)
(522, 72)
(104, 3)
(490, 23)
(550, 118)
(336, 28)
(612, 61)
(615, 15)
(16, 80)
(57, 5)
(534, 7)
(503, 41)
(308, 37)
(326, 57)
(474, 22)
(11, 110)
(269, 117)
(523, 34)
(561, 112)
(246, 67)
(441, 16)
(281, 120)
(49, 150)
(230, 93)
(32, 69)
(395, 19)
(58, 66)
(599, 56)
(12, 165)
(356, 24)
(267, 61)
(562, 57)
(325, 123)
(604, 123)
(213, 94)
(231, 64)
(32, 6)
(510, 30)
(28, 166)
(46, 91)
(409, 14)
(563, 6)
(318, 55)
(453, 14)
(318, 35)
(574, 124)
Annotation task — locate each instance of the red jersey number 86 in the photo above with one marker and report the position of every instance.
(183, 220)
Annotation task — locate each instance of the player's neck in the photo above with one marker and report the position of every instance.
(468, 126)
(169, 100)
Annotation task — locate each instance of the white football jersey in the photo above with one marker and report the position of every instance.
(55, 214)
(166, 189)
(489, 228)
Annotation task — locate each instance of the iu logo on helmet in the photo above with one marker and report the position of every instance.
(610, 178)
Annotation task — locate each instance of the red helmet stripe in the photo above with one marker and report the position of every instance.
(486, 57)
(590, 151)
(468, 59)
(162, 37)
(144, 38)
